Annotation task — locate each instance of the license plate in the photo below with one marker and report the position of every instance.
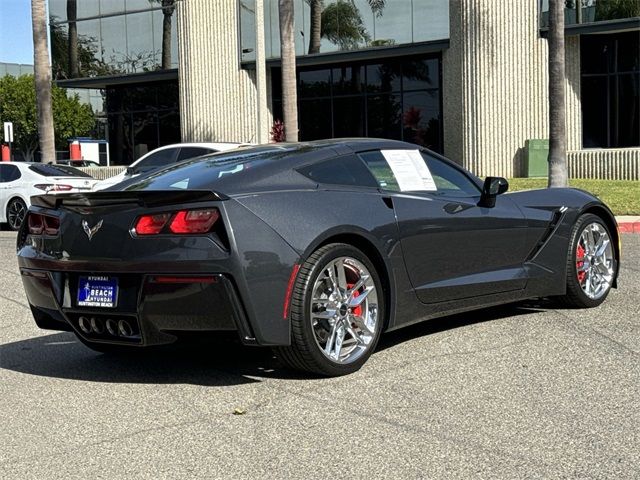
(97, 292)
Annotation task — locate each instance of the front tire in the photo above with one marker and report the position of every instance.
(337, 312)
(591, 263)
(16, 213)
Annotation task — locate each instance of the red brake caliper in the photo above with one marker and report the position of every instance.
(579, 263)
(358, 310)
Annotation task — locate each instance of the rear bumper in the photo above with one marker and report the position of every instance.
(156, 312)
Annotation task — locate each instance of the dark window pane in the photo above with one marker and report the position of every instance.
(594, 112)
(381, 170)
(383, 77)
(120, 139)
(629, 52)
(348, 117)
(57, 171)
(347, 170)
(158, 159)
(384, 114)
(420, 117)
(348, 79)
(315, 83)
(276, 83)
(169, 127)
(9, 173)
(596, 54)
(449, 180)
(145, 129)
(192, 152)
(628, 111)
(315, 119)
(420, 74)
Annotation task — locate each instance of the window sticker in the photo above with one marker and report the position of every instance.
(410, 170)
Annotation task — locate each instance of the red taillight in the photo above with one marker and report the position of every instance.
(53, 187)
(194, 221)
(39, 224)
(180, 222)
(36, 224)
(151, 224)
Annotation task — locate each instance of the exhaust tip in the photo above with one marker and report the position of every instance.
(124, 328)
(84, 324)
(97, 325)
(112, 327)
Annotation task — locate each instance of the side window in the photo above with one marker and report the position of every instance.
(192, 152)
(9, 173)
(380, 170)
(347, 170)
(449, 180)
(158, 159)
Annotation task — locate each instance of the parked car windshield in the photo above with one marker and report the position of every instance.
(202, 172)
(48, 170)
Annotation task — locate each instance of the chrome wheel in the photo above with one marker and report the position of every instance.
(344, 310)
(595, 262)
(16, 212)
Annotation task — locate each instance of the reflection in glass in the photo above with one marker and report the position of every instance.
(384, 116)
(384, 77)
(323, 26)
(348, 117)
(314, 83)
(315, 119)
(348, 79)
(592, 11)
(420, 118)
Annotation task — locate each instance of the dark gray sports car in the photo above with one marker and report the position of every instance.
(312, 248)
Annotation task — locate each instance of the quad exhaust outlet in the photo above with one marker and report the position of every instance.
(96, 326)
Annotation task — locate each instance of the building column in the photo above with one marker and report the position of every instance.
(217, 96)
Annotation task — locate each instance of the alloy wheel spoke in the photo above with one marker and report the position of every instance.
(355, 335)
(328, 348)
(601, 247)
(357, 286)
(361, 323)
(342, 275)
(357, 301)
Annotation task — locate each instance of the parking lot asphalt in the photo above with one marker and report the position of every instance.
(521, 391)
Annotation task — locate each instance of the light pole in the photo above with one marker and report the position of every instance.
(262, 113)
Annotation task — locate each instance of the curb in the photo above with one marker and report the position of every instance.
(629, 227)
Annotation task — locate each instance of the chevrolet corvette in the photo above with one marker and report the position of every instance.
(314, 249)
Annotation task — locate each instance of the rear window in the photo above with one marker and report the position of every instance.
(202, 172)
(48, 170)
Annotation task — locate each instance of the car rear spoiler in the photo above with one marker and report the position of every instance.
(144, 198)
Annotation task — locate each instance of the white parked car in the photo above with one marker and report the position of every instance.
(19, 181)
(166, 155)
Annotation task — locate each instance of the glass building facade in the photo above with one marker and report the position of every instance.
(347, 25)
(103, 43)
(584, 12)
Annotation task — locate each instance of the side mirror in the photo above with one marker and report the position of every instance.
(130, 171)
(493, 186)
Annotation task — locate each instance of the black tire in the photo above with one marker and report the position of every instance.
(305, 353)
(16, 213)
(575, 296)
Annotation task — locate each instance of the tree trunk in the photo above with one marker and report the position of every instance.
(288, 54)
(168, 7)
(72, 44)
(42, 74)
(316, 26)
(558, 176)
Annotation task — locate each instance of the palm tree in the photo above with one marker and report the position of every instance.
(42, 74)
(72, 44)
(557, 130)
(168, 7)
(288, 56)
(317, 7)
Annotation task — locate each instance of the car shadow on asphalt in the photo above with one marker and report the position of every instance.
(211, 364)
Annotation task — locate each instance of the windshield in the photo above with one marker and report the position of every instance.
(202, 172)
(48, 170)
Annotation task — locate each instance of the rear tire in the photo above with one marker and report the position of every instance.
(16, 213)
(591, 263)
(337, 312)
